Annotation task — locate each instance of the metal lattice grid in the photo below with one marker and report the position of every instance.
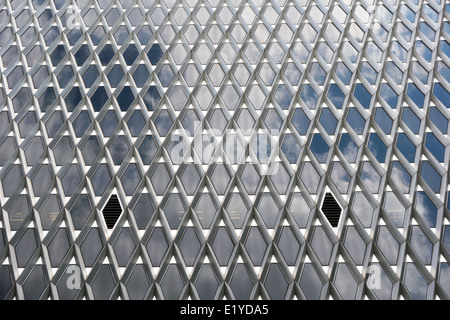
(97, 97)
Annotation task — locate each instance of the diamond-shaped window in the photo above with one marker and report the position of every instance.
(112, 211)
(331, 209)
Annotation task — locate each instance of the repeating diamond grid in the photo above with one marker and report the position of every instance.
(355, 94)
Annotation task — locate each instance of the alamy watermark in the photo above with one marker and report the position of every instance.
(232, 146)
(73, 282)
(374, 279)
(73, 17)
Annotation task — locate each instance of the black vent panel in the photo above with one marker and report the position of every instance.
(112, 211)
(331, 209)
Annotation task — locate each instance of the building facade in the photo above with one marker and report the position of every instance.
(224, 149)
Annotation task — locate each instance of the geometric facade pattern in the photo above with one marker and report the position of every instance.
(141, 101)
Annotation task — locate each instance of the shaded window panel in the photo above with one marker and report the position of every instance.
(136, 123)
(163, 122)
(268, 210)
(255, 245)
(343, 72)
(309, 96)
(26, 247)
(431, 176)
(336, 96)
(97, 35)
(21, 99)
(406, 147)
(422, 50)
(49, 211)
(130, 54)
(160, 179)
(73, 99)
(6, 279)
(19, 212)
(394, 72)
(71, 179)
(58, 247)
(363, 209)
(27, 124)
(439, 120)
(8, 149)
(421, 244)
(369, 73)
(290, 148)
(300, 121)
(250, 178)
(387, 244)
(131, 179)
(441, 94)
(416, 95)
(138, 283)
(104, 283)
(320, 148)
(143, 211)
(348, 147)
(237, 210)
(444, 276)
(12, 180)
(115, 76)
(328, 121)
(426, 208)
(288, 245)
(370, 177)
(157, 246)
(90, 150)
(310, 177)
(35, 284)
(124, 246)
(172, 283)
(435, 146)
(241, 283)
(310, 282)
(355, 245)
(141, 75)
(147, 149)
(207, 282)
(99, 98)
(362, 95)
(401, 177)
(394, 209)
(356, 121)
(81, 123)
(414, 282)
(420, 72)
(109, 123)
(101, 179)
(91, 247)
(299, 209)
(82, 54)
(340, 177)
(174, 210)
(189, 246)
(383, 120)
(276, 283)
(63, 150)
(377, 147)
(106, 54)
(411, 120)
(321, 245)
(389, 95)
(119, 150)
(345, 282)
(223, 246)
